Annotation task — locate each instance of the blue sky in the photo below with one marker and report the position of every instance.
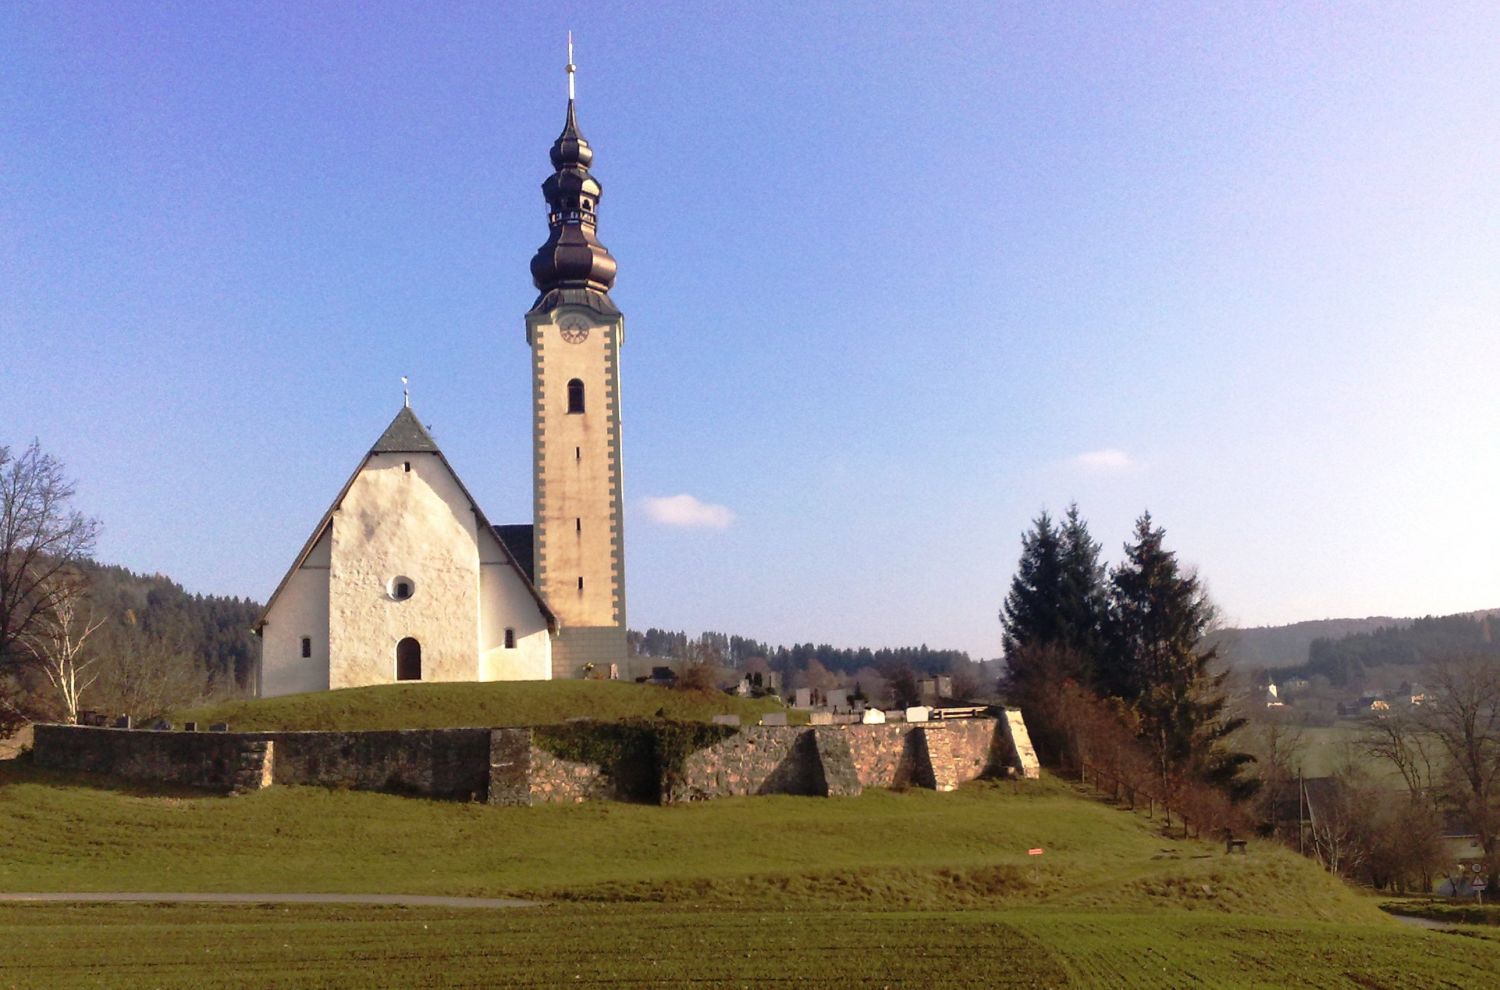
(896, 277)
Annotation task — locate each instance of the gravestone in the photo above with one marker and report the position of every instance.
(732, 720)
(773, 718)
(873, 716)
(820, 718)
(123, 722)
(219, 727)
(918, 713)
(190, 727)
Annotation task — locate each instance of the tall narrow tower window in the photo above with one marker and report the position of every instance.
(510, 638)
(575, 396)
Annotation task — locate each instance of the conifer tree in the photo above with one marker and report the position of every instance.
(1052, 622)
(1057, 597)
(1085, 599)
(1156, 662)
(1032, 612)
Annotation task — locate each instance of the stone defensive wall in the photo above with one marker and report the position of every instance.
(651, 762)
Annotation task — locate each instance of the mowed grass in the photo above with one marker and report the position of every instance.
(176, 946)
(915, 849)
(897, 889)
(435, 706)
(891, 889)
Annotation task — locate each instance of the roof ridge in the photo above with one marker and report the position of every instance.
(406, 434)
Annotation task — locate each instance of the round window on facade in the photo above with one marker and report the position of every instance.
(400, 588)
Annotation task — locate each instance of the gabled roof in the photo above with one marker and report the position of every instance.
(406, 434)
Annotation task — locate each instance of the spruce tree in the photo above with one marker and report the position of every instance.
(1156, 662)
(1052, 622)
(1084, 600)
(1058, 596)
(1032, 612)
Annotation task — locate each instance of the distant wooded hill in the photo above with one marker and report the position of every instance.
(735, 650)
(1287, 646)
(1344, 650)
(212, 630)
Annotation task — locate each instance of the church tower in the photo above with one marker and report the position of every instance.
(575, 332)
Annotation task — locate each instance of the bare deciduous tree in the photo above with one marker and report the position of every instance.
(146, 676)
(1278, 746)
(1462, 713)
(1400, 737)
(41, 539)
(58, 644)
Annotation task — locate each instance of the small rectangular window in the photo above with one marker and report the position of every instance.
(578, 525)
(406, 466)
(577, 453)
(306, 647)
(580, 582)
(510, 639)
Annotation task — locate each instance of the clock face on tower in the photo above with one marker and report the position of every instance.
(575, 330)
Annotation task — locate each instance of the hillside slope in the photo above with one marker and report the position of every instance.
(434, 706)
(888, 889)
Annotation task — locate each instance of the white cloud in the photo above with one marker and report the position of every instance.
(688, 512)
(1103, 461)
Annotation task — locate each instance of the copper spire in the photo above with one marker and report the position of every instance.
(572, 257)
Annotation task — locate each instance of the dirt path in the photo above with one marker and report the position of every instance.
(399, 900)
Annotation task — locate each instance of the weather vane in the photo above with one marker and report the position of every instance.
(571, 67)
(405, 393)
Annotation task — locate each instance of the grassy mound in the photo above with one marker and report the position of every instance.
(889, 889)
(435, 706)
(914, 850)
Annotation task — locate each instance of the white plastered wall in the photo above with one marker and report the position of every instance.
(506, 603)
(419, 525)
(300, 610)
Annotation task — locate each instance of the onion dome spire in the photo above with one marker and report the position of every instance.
(572, 265)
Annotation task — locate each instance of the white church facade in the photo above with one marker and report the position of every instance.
(404, 578)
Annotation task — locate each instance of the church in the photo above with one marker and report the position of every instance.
(405, 579)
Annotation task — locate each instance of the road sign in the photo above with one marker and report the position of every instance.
(1477, 867)
(1479, 883)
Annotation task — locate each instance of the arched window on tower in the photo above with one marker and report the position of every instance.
(408, 660)
(575, 396)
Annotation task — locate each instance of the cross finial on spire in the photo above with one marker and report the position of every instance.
(571, 67)
(405, 393)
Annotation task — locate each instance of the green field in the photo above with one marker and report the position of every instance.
(635, 946)
(888, 889)
(899, 889)
(436, 706)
